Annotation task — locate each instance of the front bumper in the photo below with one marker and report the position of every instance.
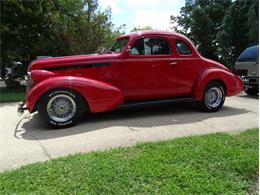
(250, 82)
(21, 107)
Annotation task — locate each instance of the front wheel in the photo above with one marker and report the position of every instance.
(213, 98)
(61, 107)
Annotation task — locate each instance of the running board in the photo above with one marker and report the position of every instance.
(154, 102)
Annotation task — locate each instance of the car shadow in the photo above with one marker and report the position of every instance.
(132, 118)
(244, 95)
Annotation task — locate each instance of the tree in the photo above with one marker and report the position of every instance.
(201, 21)
(253, 22)
(22, 25)
(46, 27)
(239, 30)
(220, 29)
(135, 29)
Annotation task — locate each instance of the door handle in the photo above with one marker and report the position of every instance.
(173, 63)
(154, 65)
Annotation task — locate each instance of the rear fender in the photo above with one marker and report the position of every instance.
(231, 82)
(100, 96)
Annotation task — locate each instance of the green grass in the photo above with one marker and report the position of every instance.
(12, 95)
(216, 163)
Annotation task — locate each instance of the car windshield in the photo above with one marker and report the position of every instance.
(119, 45)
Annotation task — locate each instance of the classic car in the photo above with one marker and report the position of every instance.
(141, 68)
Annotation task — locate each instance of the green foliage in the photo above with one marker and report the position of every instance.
(221, 29)
(14, 95)
(136, 29)
(46, 27)
(253, 22)
(239, 30)
(209, 164)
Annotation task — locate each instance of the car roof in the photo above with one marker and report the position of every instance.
(249, 53)
(151, 32)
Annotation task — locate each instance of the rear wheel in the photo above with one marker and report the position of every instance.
(253, 91)
(213, 98)
(61, 107)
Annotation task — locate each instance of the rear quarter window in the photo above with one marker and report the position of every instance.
(183, 47)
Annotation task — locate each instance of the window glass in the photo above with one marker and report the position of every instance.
(182, 47)
(151, 46)
(138, 47)
(119, 45)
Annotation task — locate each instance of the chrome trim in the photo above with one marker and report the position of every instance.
(213, 97)
(157, 58)
(173, 63)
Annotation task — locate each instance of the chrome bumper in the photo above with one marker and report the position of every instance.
(250, 82)
(21, 107)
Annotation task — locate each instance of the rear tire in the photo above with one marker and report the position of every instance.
(61, 108)
(252, 91)
(213, 97)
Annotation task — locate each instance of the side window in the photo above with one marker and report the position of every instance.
(138, 47)
(151, 46)
(182, 47)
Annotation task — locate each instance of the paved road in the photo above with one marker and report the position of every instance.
(31, 141)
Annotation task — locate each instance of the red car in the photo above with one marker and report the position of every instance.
(144, 68)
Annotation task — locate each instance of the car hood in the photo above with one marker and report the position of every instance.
(70, 61)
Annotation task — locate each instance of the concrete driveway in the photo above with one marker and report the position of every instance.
(26, 139)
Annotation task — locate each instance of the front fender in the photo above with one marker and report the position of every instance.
(100, 96)
(233, 84)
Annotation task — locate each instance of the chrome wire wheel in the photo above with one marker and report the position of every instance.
(213, 97)
(61, 108)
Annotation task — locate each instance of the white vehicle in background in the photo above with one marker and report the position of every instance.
(247, 67)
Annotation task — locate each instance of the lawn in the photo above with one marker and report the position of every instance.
(216, 163)
(12, 95)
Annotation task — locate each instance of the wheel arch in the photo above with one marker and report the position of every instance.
(208, 76)
(220, 82)
(99, 96)
(60, 88)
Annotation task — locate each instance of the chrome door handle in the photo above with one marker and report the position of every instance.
(173, 63)
(154, 65)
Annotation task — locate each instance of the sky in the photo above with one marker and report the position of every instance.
(134, 13)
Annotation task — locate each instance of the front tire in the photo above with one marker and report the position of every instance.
(61, 108)
(213, 98)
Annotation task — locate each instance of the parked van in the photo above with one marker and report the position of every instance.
(247, 67)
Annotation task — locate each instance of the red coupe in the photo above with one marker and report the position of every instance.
(140, 69)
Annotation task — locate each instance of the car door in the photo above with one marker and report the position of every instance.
(186, 67)
(145, 69)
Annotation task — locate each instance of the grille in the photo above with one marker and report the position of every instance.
(29, 83)
(252, 80)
